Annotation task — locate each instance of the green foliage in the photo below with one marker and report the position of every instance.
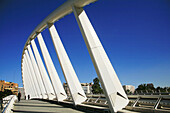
(165, 89)
(96, 89)
(149, 87)
(5, 93)
(145, 87)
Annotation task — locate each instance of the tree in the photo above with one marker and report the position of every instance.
(144, 87)
(160, 89)
(96, 89)
(5, 93)
(150, 87)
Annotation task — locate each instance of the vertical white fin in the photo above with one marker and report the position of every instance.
(74, 85)
(57, 85)
(43, 72)
(107, 76)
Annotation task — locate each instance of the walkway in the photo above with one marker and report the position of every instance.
(36, 106)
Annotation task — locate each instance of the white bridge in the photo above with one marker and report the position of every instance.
(42, 84)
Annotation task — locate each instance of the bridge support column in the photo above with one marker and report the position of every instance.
(37, 73)
(74, 85)
(24, 81)
(32, 90)
(115, 95)
(58, 88)
(42, 70)
(32, 75)
(28, 86)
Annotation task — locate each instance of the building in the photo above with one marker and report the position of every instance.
(9, 86)
(87, 87)
(131, 88)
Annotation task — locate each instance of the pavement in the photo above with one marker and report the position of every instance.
(38, 106)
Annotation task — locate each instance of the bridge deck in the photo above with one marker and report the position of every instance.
(38, 106)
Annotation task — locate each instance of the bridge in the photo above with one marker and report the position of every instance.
(42, 84)
(45, 85)
(94, 104)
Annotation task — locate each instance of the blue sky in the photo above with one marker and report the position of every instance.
(134, 33)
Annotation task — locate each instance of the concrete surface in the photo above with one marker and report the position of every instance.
(36, 106)
(39, 106)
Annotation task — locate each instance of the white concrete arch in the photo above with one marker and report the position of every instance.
(115, 95)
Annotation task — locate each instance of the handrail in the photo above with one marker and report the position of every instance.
(134, 99)
(8, 106)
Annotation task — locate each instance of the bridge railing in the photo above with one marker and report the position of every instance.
(161, 102)
(150, 93)
(7, 103)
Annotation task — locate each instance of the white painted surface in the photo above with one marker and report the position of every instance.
(58, 87)
(9, 106)
(31, 87)
(37, 73)
(47, 82)
(74, 85)
(115, 95)
(32, 75)
(24, 81)
(58, 13)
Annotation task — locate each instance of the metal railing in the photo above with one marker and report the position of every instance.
(150, 93)
(155, 102)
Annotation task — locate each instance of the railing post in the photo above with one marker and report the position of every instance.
(115, 95)
(136, 101)
(59, 90)
(74, 85)
(157, 102)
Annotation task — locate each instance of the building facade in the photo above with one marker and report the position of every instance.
(9, 86)
(87, 87)
(129, 88)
